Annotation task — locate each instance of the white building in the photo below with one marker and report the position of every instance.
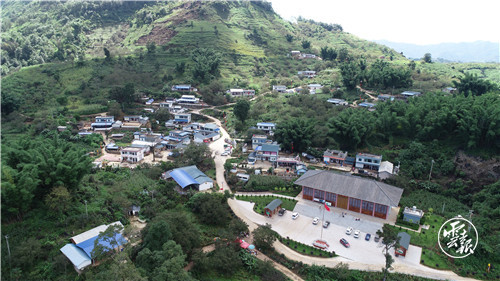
(188, 99)
(241, 93)
(131, 155)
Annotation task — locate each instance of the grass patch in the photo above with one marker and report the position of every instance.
(262, 201)
(435, 259)
(306, 249)
(210, 173)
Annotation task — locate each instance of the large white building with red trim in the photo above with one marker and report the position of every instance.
(349, 192)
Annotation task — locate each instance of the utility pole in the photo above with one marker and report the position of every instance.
(86, 211)
(8, 247)
(432, 164)
(442, 211)
(470, 218)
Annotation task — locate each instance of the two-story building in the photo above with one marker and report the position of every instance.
(183, 88)
(258, 140)
(103, 123)
(182, 118)
(210, 127)
(131, 154)
(267, 127)
(412, 215)
(334, 157)
(279, 88)
(267, 152)
(368, 161)
(241, 93)
(188, 99)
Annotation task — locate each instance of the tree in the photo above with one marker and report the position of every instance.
(343, 55)
(295, 134)
(59, 199)
(470, 84)
(328, 53)
(10, 102)
(196, 154)
(107, 54)
(225, 259)
(122, 269)
(210, 208)
(180, 67)
(157, 234)
(184, 231)
(289, 37)
(427, 58)
(264, 237)
(162, 115)
(112, 240)
(351, 128)
(151, 46)
(206, 64)
(125, 95)
(350, 74)
(241, 110)
(390, 239)
(306, 44)
(412, 65)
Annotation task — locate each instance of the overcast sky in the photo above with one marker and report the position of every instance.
(418, 22)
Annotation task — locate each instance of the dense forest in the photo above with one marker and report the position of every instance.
(64, 62)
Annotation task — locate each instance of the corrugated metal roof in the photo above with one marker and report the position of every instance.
(352, 186)
(88, 234)
(270, 147)
(76, 255)
(182, 178)
(88, 245)
(405, 240)
(274, 204)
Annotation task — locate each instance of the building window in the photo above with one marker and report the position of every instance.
(308, 191)
(319, 194)
(367, 206)
(382, 209)
(332, 197)
(355, 203)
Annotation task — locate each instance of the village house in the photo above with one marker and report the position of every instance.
(188, 99)
(182, 118)
(267, 127)
(150, 101)
(307, 73)
(342, 190)
(210, 127)
(450, 90)
(334, 157)
(404, 244)
(267, 152)
(136, 118)
(295, 53)
(258, 140)
(307, 56)
(273, 207)
(367, 105)
(131, 154)
(386, 170)
(279, 88)
(385, 98)
(189, 177)
(241, 93)
(368, 161)
(183, 88)
(413, 215)
(103, 123)
(79, 251)
(205, 136)
(337, 101)
(409, 94)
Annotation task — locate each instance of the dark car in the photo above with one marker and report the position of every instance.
(368, 236)
(281, 211)
(377, 238)
(326, 224)
(345, 243)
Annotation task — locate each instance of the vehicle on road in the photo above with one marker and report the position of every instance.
(348, 231)
(377, 238)
(345, 243)
(225, 153)
(326, 224)
(356, 233)
(368, 236)
(315, 220)
(295, 215)
(281, 212)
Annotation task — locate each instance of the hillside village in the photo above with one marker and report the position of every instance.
(299, 152)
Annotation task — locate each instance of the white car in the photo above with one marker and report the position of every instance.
(348, 231)
(225, 153)
(295, 215)
(315, 220)
(356, 233)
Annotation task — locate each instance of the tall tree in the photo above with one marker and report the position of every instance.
(351, 128)
(470, 84)
(295, 132)
(264, 237)
(390, 239)
(306, 44)
(206, 64)
(241, 109)
(350, 74)
(427, 58)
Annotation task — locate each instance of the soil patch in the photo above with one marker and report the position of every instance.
(480, 171)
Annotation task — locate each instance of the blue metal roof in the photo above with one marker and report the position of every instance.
(88, 245)
(265, 124)
(182, 178)
(77, 257)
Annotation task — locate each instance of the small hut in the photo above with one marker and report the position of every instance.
(273, 207)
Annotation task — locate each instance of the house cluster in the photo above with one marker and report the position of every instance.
(241, 93)
(362, 161)
(188, 178)
(79, 251)
(105, 123)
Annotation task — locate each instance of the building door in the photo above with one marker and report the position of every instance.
(342, 201)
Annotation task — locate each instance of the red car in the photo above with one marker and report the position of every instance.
(345, 243)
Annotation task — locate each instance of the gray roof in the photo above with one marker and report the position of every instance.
(274, 204)
(270, 147)
(335, 153)
(352, 186)
(405, 240)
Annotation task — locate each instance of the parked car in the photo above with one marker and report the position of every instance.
(326, 224)
(281, 212)
(345, 243)
(368, 236)
(315, 220)
(295, 215)
(356, 233)
(377, 238)
(225, 153)
(348, 231)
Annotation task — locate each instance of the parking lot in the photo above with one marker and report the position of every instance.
(304, 231)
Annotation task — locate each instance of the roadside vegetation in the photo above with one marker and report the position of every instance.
(262, 201)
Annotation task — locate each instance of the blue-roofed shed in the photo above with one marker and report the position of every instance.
(183, 179)
(77, 256)
(88, 245)
(190, 176)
